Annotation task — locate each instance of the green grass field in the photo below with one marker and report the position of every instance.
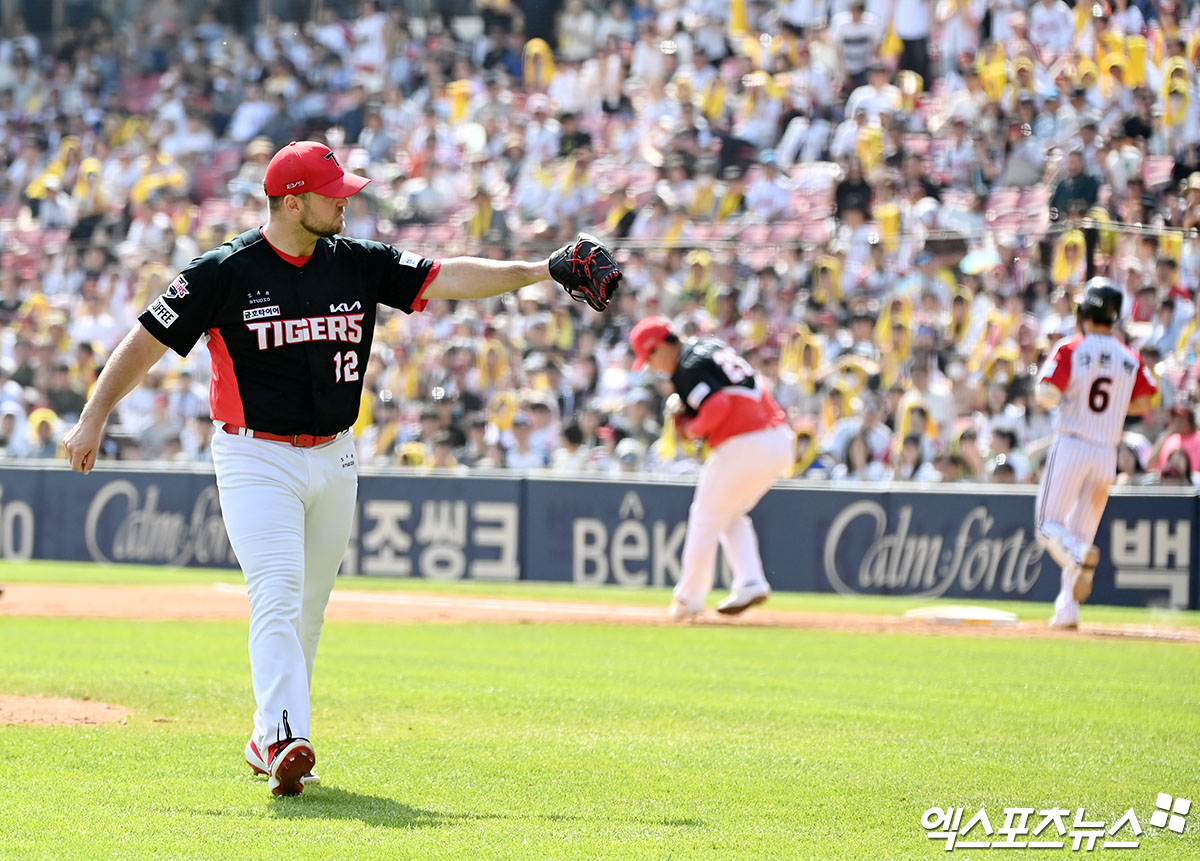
(574, 741)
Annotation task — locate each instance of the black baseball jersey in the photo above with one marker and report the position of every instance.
(706, 366)
(289, 343)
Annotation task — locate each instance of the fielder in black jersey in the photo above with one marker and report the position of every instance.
(289, 343)
(707, 366)
(288, 313)
(718, 398)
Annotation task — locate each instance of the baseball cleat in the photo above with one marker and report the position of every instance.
(289, 760)
(744, 599)
(680, 612)
(255, 759)
(1065, 624)
(1087, 571)
(258, 764)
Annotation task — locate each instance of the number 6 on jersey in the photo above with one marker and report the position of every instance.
(345, 366)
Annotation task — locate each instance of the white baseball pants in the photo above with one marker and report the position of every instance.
(1070, 503)
(737, 474)
(288, 512)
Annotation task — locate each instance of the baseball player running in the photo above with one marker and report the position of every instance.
(288, 314)
(1095, 381)
(717, 397)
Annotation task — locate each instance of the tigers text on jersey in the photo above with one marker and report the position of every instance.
(1098, 376)
(289, 342)
(721, 396)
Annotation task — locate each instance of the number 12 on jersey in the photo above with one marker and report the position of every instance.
(345, 366)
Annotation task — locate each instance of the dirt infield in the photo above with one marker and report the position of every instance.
(53, 711)
(199, 603)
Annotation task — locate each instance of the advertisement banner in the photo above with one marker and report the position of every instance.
(596, 532)
(929, 545)
(960, 542)
(437, 527)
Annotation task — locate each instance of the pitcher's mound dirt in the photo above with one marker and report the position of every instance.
(53, 711)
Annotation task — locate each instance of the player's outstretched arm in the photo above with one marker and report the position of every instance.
(478, 278)
(125, 368)
(585, 268)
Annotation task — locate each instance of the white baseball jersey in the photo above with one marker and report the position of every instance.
(1098, 376)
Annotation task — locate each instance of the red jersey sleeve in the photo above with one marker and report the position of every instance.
(1145, 383)
(1057, 370)
(419, 303)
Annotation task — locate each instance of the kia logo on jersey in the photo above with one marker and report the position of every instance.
(336, 327)
(343, 308)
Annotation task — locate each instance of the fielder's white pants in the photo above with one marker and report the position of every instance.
(737, 474)
(1070, 503)
(288, 512)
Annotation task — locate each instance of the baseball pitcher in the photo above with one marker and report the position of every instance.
(288, 313)
(718, 398)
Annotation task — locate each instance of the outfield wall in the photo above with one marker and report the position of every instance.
(960, 541)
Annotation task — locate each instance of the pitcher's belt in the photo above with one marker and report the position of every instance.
(300, 440)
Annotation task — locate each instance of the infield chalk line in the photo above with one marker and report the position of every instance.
(497, 605)
(896, 624)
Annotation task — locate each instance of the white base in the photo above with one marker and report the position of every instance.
(962, 615)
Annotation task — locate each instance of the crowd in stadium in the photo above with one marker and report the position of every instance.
(887, 206)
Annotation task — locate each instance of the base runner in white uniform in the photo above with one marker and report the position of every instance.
(288, 313)
(1095, 381)
(718, 398)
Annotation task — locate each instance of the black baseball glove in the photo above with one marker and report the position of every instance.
(586, 270)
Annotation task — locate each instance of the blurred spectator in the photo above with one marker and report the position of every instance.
(1177, 471)
(46, 432)
(443, 452)
(571, 457)
(13, 442)
(640, 424)
(1181, 435)
(1004, 450)
(1001, 471)
(912, 21)
(857, 35)
(521, 454)
(1130, 470)
(911, 464)
(62, 395)
(890, 206)
(158, 430)
(629, 456)
(860, 464)
(1079, 189)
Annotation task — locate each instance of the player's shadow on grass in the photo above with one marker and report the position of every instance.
(328, 802)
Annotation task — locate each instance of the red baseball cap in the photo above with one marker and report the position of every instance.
(647, 335)
(310, 166)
